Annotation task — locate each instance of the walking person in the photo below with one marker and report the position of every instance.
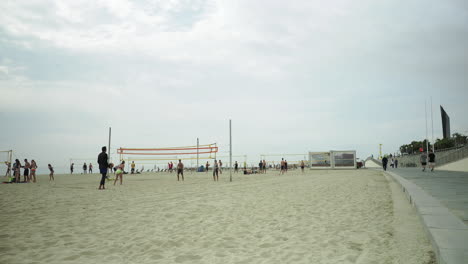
(85, 168)
(90, 168)
(220, 167)
(260, 167)
(180, 170)
(51, 175)
(264, 166)
(431, 160)
(132, 166)
(282, 166)
(215, 171)
(396, 163)
(119, 172)
(384, 163)
(103, 166)
(302, 166)
(285, 165)
(423, 160)
(33, 170)
(236, 167)
(71, 168)
(207, 166)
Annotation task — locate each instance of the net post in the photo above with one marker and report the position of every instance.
(230, 151)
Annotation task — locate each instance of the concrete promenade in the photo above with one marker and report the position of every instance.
(441, 199)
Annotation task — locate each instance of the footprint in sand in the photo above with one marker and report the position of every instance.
(184, 258)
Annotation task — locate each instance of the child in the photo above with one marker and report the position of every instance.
(51, 175)
(119, 172)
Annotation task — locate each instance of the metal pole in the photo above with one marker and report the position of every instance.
(432, 120)
(230, 152)
(197, 152)
(427, 143)
(108, 147)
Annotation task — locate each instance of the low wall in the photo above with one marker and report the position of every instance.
(442, 157)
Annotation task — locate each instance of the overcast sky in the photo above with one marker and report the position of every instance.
(294, 76)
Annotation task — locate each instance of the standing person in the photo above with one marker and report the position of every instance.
(51, 175)
(285, 165)
(33, 170)
(396, 163)
(245, 165)
(180, 170)
(236, 167)
(102, 160)
(282, 166)
(220, 167)
(17, 170)
(85, 168)
(90, 168)
(119, 172)
(27, 166)
(431, 160)
(132, 171)
(302, 166)
(215, 171)
(423, 159)
(207, 166)
(392, 163)
(264, 166)
(260, 166)
(384, 163)
(71, 168)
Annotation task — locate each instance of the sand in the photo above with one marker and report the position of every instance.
(460, 165)
(319, 217)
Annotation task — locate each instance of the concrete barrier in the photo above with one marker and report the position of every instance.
(447, 233)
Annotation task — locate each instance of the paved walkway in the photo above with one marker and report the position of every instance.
(441, 200)
(449, 187)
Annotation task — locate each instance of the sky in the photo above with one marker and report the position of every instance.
(293, 76)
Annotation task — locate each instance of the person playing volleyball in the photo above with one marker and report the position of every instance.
(180, 170)
(119, 172)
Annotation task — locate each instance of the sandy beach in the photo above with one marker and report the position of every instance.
(352, 216)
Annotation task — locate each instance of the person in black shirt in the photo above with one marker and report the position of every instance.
(384, 163)
(103, 165)
(431, 160)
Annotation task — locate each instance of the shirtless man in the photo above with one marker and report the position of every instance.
(180, 170)
(27, 166)
(282, 166)
(215, 171)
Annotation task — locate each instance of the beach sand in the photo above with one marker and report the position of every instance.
(322, 216)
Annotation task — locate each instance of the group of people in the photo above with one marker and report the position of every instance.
(86, 168)
(425, 160)
(29, 171)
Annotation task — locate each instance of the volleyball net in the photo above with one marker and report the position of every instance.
(168, 154)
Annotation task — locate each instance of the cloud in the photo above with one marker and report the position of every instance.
(293, 76)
